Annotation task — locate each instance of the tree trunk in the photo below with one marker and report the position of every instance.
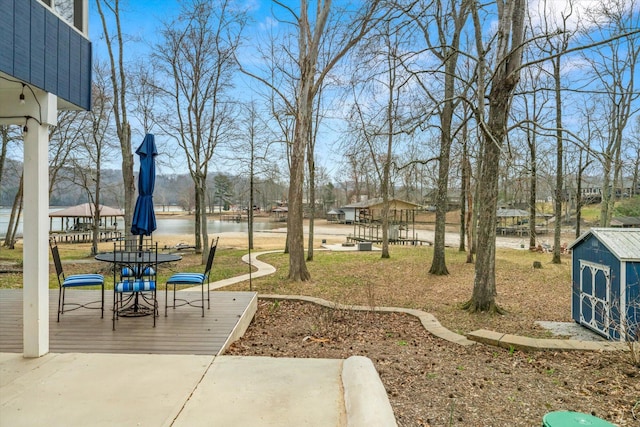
(203, 221)
(559, 163)
(96, 210)
(484, 287)
(14, 218)
(4, 136)
(295, 229)
(312, 196)
(504, 81)
(579, 195)
(128, 178)
(197, 226)
(251, 201)
(295, 232)
(450, 57)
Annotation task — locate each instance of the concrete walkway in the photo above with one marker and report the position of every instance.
(167, 390)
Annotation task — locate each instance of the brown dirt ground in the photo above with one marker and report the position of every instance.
(431, 382)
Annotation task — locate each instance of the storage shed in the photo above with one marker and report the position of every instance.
(605, 275)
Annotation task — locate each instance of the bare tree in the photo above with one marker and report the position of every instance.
(310, 74)
(93, 147)
(197, 57)
(614, 70)
(380, 127)
(441, 25)
(252, 150)
(505, 77)
(110, 10)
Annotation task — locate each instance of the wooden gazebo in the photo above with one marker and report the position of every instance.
(76, 222)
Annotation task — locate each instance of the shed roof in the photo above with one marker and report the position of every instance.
(627, 221)
(511, 213)
(378, 201)
(85, 210)
(624, 243)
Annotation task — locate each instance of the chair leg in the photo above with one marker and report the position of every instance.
(166, 295)
(102, 303)
(208, 296)
(202, 296)
(59, 301)
(155, 307)
(115, 310)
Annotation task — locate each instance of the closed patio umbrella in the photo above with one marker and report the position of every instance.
(144, 218)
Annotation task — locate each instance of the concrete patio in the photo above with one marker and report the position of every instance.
(174, 375)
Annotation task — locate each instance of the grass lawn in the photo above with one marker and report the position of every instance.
(363, 278)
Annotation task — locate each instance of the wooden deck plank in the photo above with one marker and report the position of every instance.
(183, 331)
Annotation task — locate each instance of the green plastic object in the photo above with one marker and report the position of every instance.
(573, 419)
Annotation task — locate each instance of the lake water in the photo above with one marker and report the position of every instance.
(164, 226)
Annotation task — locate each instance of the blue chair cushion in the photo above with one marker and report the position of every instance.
(135, 286)
(132, 272)
(83, 280)
(187, 279)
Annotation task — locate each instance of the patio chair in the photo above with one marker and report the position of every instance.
(134, 278)
(74, 281)
(192, 279)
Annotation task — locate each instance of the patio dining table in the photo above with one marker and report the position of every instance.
(135, 257)
(137, 261)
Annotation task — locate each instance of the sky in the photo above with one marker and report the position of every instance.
(142, 18)
(140, 21)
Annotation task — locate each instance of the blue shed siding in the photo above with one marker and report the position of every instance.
(44, 51)
(592, 250)
(618, 252)
(633, 298)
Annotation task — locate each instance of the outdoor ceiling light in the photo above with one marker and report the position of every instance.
(22, 95)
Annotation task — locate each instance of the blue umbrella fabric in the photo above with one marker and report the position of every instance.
(144, 218)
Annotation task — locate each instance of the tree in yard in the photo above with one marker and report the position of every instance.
(441, 25)
(223, 191)
(252, 144)
(614, 66)
(504, 79)
(8, 135)
(378, 125)
(309, 74)
(93, 146)
(115, 49)
(196, 57)
(555, 48)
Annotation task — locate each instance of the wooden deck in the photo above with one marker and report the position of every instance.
(184, 331)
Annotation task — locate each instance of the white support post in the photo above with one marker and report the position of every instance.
(36, 230)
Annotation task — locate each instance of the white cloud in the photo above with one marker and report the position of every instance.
(268, 23)
(555, 10)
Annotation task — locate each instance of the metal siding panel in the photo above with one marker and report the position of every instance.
(21, 20)
(63, 61)
(633, 298)
(85, 76)
(75, 68)
(6, 37)
(575, 287)
(51, 53)
(37, 45)
(624, 243)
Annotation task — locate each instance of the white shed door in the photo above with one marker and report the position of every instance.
(595, 294)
